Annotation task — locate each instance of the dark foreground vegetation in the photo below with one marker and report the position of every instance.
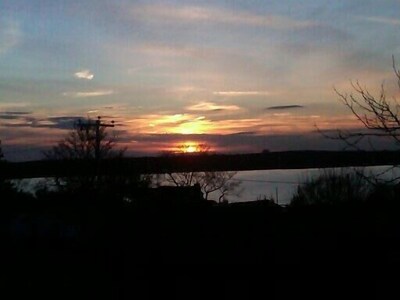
(87, 245)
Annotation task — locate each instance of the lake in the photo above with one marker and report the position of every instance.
(282, 184)
(277, 184)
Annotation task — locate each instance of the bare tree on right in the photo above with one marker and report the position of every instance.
(380, 116)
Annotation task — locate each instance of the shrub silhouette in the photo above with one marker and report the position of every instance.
(332, 188)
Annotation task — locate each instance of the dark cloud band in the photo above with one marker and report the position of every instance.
(279, 107)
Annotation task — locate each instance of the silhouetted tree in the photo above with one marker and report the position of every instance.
(6, 186)
(209, 182)
(379, 115)
(1, 152)
(332, 188)
(83, 142)
(88, 143)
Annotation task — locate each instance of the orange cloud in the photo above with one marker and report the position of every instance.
(176, 123)
(267, 125)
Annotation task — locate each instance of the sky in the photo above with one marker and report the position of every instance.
(241, 76)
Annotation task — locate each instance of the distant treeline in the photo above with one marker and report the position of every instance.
(201, 162)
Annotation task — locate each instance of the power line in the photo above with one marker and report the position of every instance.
(267, 181)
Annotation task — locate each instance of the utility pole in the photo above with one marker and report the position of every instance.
(97, 124)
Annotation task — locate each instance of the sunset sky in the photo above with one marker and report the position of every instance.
(241, 76)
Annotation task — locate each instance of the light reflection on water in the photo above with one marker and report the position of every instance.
(282, 184)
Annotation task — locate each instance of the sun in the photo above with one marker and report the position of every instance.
(188, 147)
(191, 149)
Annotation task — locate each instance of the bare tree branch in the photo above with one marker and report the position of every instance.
(379, 116)
(209, 182)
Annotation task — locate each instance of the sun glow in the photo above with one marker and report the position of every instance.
(188, 147)
(197, 126)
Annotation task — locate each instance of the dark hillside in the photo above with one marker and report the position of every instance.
(106, 245)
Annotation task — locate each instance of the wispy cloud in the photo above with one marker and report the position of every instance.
(18, 113)
(242, 93)
(281, 107)
(10, 35)
(383, 20)
(285, 114)
(9, 117)
(8, 106)
(15, 115)
(89, 94)
(51, 122)
(153, 120)
(165, 50)
(84, 74)
(194, 14)
(209, 106)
